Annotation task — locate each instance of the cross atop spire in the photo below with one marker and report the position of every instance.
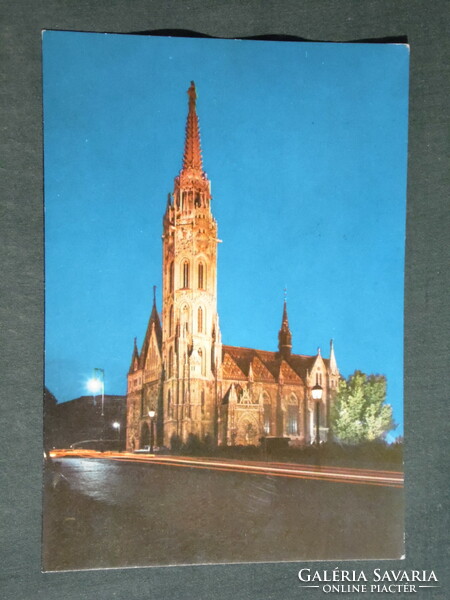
(192, 158)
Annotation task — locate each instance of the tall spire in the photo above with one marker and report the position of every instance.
(333, 363)
(154, 316)
(153, 322)
(134, 358)
(192, 158)
(192, 189)
(285, 335)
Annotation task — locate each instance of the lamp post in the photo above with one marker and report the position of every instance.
(116, 425)
(99, 374)
(151, 414)
(316, 393)
(97, 384)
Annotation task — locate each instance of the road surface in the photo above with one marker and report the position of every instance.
(125, 510)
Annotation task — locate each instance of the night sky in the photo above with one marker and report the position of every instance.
(305, 145)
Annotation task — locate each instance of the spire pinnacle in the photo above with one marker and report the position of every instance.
(134, 358)
(284, 320)
(333, 363)
(285, 335)
(192, 158)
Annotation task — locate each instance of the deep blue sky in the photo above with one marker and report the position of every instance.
(305, 145)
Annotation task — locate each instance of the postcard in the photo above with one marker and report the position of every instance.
(224, 265)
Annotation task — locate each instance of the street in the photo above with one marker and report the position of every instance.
(139, 511)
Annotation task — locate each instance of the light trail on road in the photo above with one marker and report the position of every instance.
(288, 470)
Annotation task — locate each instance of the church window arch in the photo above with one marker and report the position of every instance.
(318, 377)
(171, 277)
(201, 276)
(185, 273)
(292, 415)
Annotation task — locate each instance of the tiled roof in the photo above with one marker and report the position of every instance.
(265, 365)
(288, 373)
(260, 370)
(231, 369)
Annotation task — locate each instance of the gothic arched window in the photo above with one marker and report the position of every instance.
(171, 281)
(201, 276)
(292, 416)
(200, 319)
(185, 274)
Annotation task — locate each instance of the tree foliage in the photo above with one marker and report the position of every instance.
(359, 412)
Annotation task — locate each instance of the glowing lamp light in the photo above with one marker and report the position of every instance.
(116, 425)
(151, 413)
(94, 385)
(316, 392)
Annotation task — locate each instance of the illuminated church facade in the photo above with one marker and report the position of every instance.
(194, 383)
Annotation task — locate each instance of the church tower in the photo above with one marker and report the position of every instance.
(191, 341)
(183, 381)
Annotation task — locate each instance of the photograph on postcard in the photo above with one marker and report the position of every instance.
(224, 271)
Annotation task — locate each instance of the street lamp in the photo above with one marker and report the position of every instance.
(316, 393)
(97, 384)
(116, 425)
(151, 414)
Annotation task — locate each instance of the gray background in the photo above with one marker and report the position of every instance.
(21, 307)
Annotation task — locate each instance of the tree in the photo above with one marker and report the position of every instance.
(359, 412)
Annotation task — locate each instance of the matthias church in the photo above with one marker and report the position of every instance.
(194, 383)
